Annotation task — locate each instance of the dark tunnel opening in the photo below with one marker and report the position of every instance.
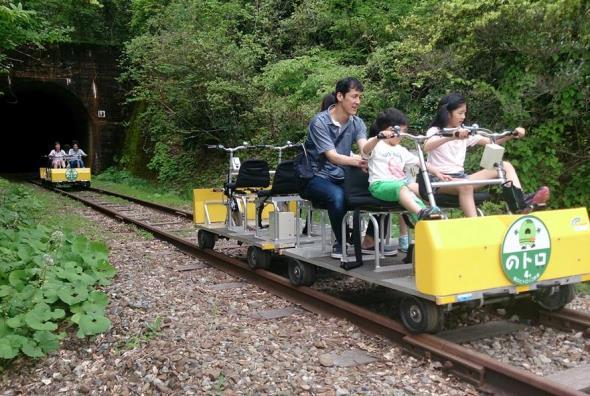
(34, 116)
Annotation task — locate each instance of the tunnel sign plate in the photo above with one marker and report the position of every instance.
(526, 250)
(71, 174)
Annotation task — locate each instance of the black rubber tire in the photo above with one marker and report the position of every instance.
(420, 316)
(301, 273)
(258, 258)
(206, 239)
(556, 300)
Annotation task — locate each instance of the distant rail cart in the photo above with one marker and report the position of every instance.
(65, 177)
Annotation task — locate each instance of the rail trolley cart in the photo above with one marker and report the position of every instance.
(455, 262)
(65, 177)
(249, 209)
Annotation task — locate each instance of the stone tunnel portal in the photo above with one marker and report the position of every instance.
(34, 115)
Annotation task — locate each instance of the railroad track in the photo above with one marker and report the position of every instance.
(488, 374)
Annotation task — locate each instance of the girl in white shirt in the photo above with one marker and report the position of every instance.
(448, 155)
(387, 160)
(57, 156)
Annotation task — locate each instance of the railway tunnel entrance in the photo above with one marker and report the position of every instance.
(34, 115)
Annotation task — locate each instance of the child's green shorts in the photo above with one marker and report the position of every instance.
(389, 191)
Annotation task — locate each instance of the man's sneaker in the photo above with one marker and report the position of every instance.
(388, 250)
(403, 243)
(431, 213)
(538, 198)
(336, 251)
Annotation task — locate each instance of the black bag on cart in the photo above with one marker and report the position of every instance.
(303, 169)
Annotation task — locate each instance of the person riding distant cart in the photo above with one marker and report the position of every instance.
(75, 156)
(57, 156)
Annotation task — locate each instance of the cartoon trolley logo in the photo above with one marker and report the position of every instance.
(71, 174)
(526, 250)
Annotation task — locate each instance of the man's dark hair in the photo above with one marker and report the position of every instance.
(346, 84)
(386, 119)
(75, 142)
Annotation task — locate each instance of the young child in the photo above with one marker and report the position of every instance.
(448, 155)
(76, 155)
(57, 156)
(387, 160)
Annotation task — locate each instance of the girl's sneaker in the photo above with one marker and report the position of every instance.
(403, 243)
(539, 198)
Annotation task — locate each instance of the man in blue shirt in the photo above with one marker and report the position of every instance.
(330, 137)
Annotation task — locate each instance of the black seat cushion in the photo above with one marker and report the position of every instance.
(357, 195)
(449, 200)
(284, 182)
(253, 173)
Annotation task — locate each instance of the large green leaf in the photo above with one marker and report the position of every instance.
(48, 341)
(73, 293)
(41, 317)
(92, 324)
(7, 351)
(6, 290)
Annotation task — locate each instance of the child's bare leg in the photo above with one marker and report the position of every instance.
(493, 174)
(407, 200)
(466, 200)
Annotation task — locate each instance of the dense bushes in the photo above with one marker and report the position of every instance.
(225, 71)
(46, 277)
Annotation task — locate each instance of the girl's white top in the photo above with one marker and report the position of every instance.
(450, 156)
(76, 154)
(387, 162)
(57, 154)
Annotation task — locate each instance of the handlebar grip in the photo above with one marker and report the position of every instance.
(449, 134)
(211, 146)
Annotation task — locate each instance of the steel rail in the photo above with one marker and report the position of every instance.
(488, 374)
(566, 319)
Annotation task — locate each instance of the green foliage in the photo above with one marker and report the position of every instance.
(42, 22)
(20, 26)
(88, 21)
(17, 206)
(46, 277)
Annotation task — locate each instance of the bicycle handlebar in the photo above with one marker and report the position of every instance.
(66, 157)
(246, 145)
(475, 130)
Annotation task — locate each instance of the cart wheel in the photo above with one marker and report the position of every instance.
(554, 298)
(301, 273)
(420, 316)
(258, 258)
(206, 239)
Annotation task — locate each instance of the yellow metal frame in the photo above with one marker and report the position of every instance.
(58, 175)
(459, 256)
(215, 201)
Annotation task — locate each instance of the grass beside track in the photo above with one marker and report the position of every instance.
(53, 211)
(124, 183)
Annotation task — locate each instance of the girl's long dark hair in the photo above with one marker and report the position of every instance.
(447, 104)
(327, 101)
(388, 118)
